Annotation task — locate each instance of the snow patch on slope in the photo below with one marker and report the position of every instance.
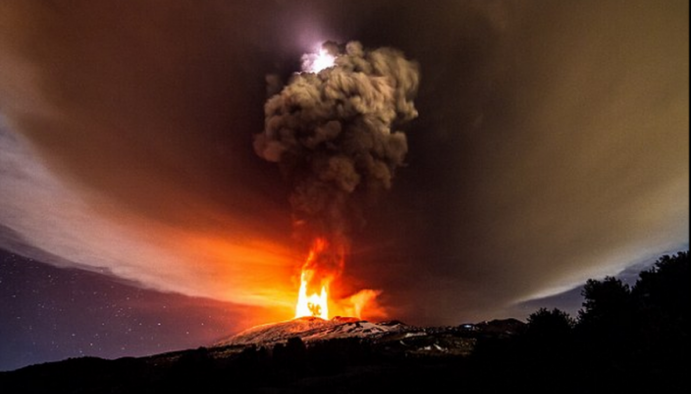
(311, 329)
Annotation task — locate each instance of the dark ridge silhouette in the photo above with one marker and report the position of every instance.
(625, 340)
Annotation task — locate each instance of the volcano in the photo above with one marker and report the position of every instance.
(390, 337)
(312, 329)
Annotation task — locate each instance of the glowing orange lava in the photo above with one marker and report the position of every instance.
(313, 304)
(323, 264)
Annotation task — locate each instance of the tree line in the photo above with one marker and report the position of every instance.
(624, 339)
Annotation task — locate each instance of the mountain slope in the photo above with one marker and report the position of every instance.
(310, 329)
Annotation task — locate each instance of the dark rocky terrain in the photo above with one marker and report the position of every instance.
(306, 354)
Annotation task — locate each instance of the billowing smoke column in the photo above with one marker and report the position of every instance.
(330, 131)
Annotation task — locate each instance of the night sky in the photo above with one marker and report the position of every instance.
(551, 146)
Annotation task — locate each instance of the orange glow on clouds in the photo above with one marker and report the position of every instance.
(215, 262)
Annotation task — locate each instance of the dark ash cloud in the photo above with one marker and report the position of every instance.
(551, 145)
(331, 133)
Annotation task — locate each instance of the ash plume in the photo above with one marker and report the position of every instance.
(331, 133)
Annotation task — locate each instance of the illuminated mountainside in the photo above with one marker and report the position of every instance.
(392, 337)
(310, 329)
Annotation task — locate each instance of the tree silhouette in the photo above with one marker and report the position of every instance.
(606, 304)
(666, 286)
(629, 340)
(663, 318)
(551, 324)
(548, 345)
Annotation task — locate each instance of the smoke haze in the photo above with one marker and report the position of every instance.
(551, 145)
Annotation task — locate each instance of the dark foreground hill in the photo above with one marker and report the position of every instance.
(625, 340)
(302, 355)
